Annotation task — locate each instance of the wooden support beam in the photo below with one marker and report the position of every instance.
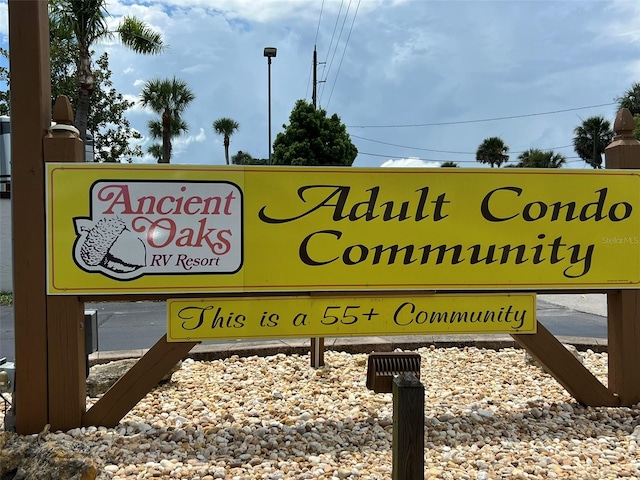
(623, 319)
(65, 315)
(67, 362)
(624, 345)
(30, 120)
(136, 383)
(566, 368)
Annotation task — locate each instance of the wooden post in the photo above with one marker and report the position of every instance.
(317, 352)
(30, 120)
(408, 428)
(623, 319)
(65, 314)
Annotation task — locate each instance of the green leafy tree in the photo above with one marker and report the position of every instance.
(631, 99)
(591, 138)
(111, 130)
(536, 158)
(168, 98)
(5, 97)
(112, 133)
(449, 165)
(312, 138)
(244, 158)
(636, 130)
(493, 151)
(86, 22)
(226, 127)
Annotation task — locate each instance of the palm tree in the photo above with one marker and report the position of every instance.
(178, 127)
(225, 126)
(492, 151)
(536, 158)
(169, 99)
(155, 151)
(631, 99)
(86, 22)
(591, 138)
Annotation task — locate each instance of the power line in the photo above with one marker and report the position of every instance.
(333, 35)
(443, 151)
(314, 43)
(337, 43)
(510, 117)
(319, 18)
(343, 52)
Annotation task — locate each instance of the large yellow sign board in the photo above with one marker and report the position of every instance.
(337, 316)
(194, 229)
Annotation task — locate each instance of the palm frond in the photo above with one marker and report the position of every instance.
(173, 95)
(155, 151)
(178, 127)
(139, 37)
(225, 126)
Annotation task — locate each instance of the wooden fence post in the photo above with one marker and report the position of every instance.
(67, 359)
(623, 319)
(30, 120)
(408, 428)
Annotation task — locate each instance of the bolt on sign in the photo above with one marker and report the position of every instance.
(321, 316)
(202, 229)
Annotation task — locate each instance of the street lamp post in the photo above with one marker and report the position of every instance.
(269, 52)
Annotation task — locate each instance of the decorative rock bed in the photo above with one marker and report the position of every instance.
(488, 414)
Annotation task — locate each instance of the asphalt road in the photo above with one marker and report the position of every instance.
(138, 325)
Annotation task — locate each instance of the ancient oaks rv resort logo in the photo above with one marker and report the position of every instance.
(141, 228)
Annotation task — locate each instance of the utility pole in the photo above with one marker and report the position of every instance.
(315, 76)
(314, 95)
(317, 343)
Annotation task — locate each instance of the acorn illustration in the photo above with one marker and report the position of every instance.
(112, 245)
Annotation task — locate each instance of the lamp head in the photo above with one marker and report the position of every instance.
(270, 52)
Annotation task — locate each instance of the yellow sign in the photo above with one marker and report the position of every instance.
(199, 229)
(336, 316)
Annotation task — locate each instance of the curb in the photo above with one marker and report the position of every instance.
(353, 345)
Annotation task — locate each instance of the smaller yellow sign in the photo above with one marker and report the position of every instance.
(341, 316)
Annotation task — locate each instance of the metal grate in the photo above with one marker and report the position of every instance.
(383, 366)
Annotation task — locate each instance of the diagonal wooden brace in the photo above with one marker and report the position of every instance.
(136, 383)
(566, 368)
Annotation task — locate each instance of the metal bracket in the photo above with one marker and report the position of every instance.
(382, 367)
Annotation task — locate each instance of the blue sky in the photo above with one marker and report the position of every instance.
(395, 63)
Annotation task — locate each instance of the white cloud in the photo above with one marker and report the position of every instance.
(409, 163)
(4, 19)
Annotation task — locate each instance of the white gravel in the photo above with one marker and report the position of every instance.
(488, 414)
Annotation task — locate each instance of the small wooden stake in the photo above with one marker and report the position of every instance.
(408, 428)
